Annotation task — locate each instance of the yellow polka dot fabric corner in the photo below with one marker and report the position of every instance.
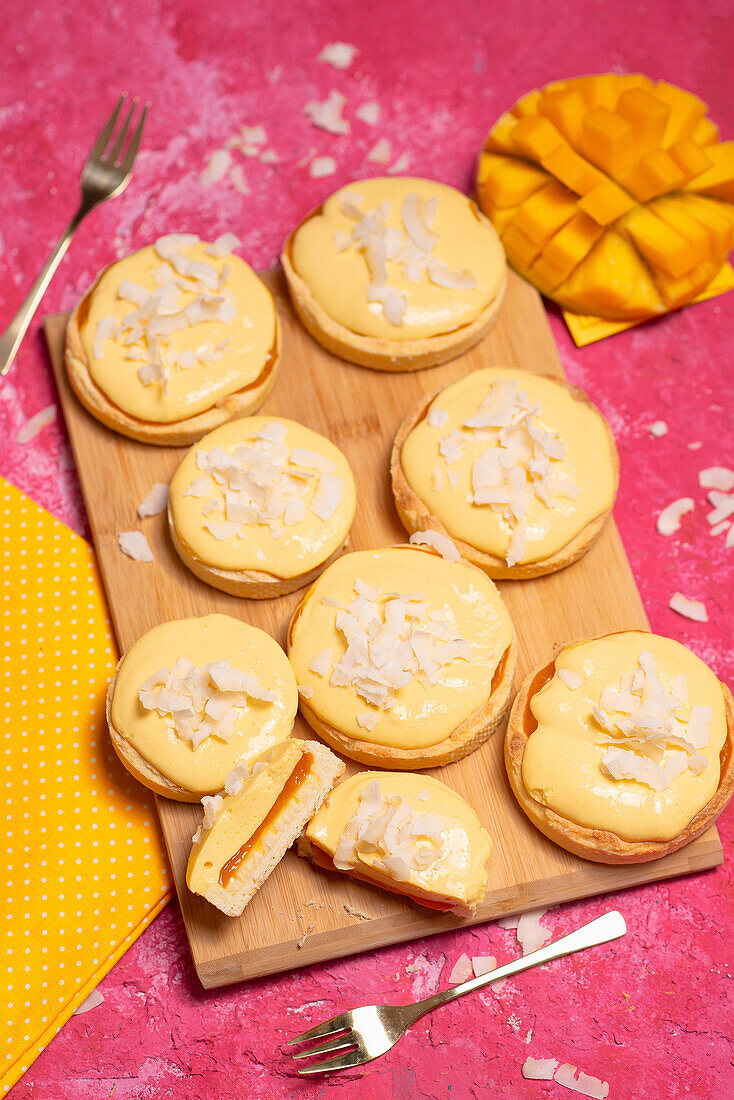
(86, 868)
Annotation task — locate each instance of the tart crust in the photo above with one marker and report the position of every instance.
(462, 740)
(249, 583)
(179, 433)
(373, 351)
(601, 845)
(415, 515)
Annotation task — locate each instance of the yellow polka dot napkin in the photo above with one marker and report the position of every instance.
(86, 870)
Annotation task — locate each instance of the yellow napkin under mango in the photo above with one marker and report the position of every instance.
(86, 865)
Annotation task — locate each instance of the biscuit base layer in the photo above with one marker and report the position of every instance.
(179, 433)
(416, 516)
(248, 583)
(464, 739)
(137, 765)
(233, 898)
(377, 352)
(601, 845)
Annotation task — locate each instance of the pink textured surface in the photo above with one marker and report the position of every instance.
(656, 1006)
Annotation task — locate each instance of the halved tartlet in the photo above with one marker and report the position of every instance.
(402, 659)
(247, 830)
(174, 340)
(193, 698)
(407, 833)
(396, 274)
(520, 470)
(620, 748)
(261, 506)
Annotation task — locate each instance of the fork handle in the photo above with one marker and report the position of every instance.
(16, 330)
(610, 926)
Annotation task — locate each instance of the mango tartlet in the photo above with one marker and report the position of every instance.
(246, 830)
(174, 340)
(620, 748)
(612, 194)
(260, 506)
(396, 273)
(409, 834)
(402, 659)
(193, 698)
(520, 470)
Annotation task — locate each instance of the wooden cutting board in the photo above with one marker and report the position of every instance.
(302, 915)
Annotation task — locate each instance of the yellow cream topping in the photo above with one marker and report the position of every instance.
(562, 760)
(211, 638)
(239, 815)
(367, 254)
(203, 359)
(441, 455)
(453, 599)
(259, 512)
(459, 871)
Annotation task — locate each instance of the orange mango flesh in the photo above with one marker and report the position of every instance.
(612, 194)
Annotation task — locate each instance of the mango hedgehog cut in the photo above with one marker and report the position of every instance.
(612, 194)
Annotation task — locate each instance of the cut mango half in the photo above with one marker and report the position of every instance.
(612, 194)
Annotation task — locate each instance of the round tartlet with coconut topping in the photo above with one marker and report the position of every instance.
(620, 748)
(402, 659)
(520, 470)
(396, 273)
(173, 340)
(260, 506)
(193, 698)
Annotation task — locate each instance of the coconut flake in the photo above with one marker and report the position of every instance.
(339, 55)
(717, 477)
(155, 502)
(530, 933)
(321, 167)
(669, 519)
(442, 275)
(539, 1069)
(658, 429)
(37, 422)
(571, 679)
(223, 245)
(239, 181)
(402, 164)
(321, 662)
(690, 609)
(380, 152)
(369, 113)
(217, 167)
(107, 328)
(304, 691)
(483, 964)
(135, 545)
(444, 545)
(461, 971)
(437, 418)
(328, 114)
(92, 1000)
(584, 1083)
(368, 720)
(328, 496)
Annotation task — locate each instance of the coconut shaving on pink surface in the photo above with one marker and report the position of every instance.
(258, 113)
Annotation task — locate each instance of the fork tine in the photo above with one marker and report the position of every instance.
(101, 143)
(342, 1061)
(120, 140)
(346, 1040)
(132, 150)
(323, 1031)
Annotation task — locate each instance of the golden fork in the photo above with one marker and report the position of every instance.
(367, 1033)
(103, 177)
